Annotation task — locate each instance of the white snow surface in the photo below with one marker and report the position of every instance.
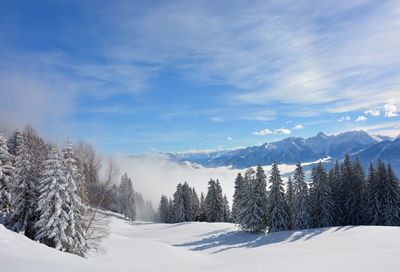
(141, 246)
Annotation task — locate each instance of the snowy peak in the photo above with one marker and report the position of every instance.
(289, 150)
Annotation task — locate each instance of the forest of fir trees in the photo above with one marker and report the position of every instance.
(344, 195)
(187, 206)
(51, 195)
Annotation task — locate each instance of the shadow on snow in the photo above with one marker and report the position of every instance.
(241, 239)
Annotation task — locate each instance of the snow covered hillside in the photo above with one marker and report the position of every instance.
(139, 246)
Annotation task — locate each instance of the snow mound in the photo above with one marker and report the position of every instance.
(141, 246)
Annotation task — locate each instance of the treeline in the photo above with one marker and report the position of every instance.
(46, 192)
(342, 196)
(187, 206)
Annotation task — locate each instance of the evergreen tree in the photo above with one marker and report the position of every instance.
(356, 195)
(373, 207)
(77, 220)
(335, 184)
(301, 218)
(163, 210)
(238, 204)
(321, 198)
(127, 198)
(170, 211)
(227, 212)
(202, 213)
(391, 200)
(6, 178)
(53, 207)
(347, 189)
(289, 194)
(24, 192)
(187, 194)
(214, 202)
(380, 179)
(253, 213)
(178, 205)
(195, 205)
(278, 219)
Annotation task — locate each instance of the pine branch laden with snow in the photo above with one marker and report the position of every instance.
(77, 241)
(6, 178)
(23, 190)
(54, 204)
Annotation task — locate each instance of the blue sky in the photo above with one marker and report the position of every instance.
(138, 76)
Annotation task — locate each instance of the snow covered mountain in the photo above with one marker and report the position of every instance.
(387, 151)
(289, 150)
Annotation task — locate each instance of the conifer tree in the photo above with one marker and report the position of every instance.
(380, 179)
(53, 208)
(237, 205)
(278, 219)
(24, 192)
(195, 202)
(178, 205)
(163, 210)
(335, 184)
(321, 198)
(253, 214)
(356, 194)
(214, 202)
(227, 212)
(373, 207)
(301, 218)
(77, 220)
(346, 190)
(202, 213)
(391, 199)
(289, 194)
(187, 194)
(6, 178)
(127, 198)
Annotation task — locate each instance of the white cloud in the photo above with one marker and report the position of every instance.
(263, 132)
(344, 118)
(391, 110)
(229, 138)
(299, 126)
(282, 131)
(216, 119)
(372, 112)
(361, 118)
(269, 132)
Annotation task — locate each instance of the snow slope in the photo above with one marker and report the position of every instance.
(213, 247)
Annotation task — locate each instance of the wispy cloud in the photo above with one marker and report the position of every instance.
(391, 110)
(344, 118)
(373, 112)
(263, 132)
(361, 118)
(267, 131)
(216, 119)
(299, 126)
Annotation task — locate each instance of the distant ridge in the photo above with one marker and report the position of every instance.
(291, 150)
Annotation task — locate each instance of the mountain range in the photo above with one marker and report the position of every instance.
(358, 144)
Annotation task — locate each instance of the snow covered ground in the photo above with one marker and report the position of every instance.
(185, 247)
